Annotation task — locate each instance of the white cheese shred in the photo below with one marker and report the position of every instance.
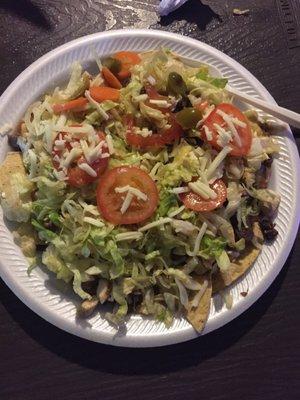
(93, 221)
(176, 212)
(208, 133)
(110, 144)
(154, 224)
(228, 119)
(126, 203)
(100, 110)
(202, 189)
(217, 161)
(133, 235)
(198, 240)
(136, 192)
(71, 156)
(179, 190)
(199, 295)
(88, 169)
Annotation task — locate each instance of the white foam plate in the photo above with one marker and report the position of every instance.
(40, 293)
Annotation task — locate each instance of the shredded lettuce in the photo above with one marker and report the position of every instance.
(217, 82)
(54, 263)
(212, 247)
(182, 169)
(167, 201)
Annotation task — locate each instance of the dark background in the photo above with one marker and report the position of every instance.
(257, 356)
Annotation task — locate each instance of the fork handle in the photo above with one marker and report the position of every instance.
(281, 113)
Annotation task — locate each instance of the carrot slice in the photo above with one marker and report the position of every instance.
(111, 79)
(74, 105)
(102, 93)
(128, 59)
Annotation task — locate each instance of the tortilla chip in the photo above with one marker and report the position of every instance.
(198, 316)
(222, 279)
(12, 164)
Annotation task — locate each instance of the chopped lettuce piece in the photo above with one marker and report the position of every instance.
(54, 263)
(217, 82)
(167, 200)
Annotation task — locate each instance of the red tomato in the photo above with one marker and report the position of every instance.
(76, 176)
(109, 202)
(195, 202)
(154, 95)
(244, 133)
(201, 106)
(156, 140)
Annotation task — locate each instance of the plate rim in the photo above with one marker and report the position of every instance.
(189, 333)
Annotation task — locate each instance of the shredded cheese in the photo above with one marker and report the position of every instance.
(60, 175)
(134, 235)
(208, 133)
(179, 190)
(126, 203)
(84, 128)
(145, 132)
(238, 122)
(228, 119)
(160, 103)
(199, 295)
(88, 169)
(202, 189)
(93, 221)
(59, 144)
(154, 224)
(130, 193)
(155, 169)
(217, 161)
(95, 152)
(61, 122)
(110, 144)
(176, 212)
(198, 241)
(224, 136)
(100, 110)
(151, 80)
(71, 156)
(136, 192)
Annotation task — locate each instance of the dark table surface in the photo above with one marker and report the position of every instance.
(257, 356)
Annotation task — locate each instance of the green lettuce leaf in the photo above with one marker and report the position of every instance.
(212, 247)
(44, 234)
(167, 200)
(54, 263)
(217, 82)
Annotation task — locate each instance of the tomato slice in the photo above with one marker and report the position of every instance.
(109, 202)
(156, 140)
(76, 176)
(154, 95)
(159, 139)
(195, 202)
(243, 132)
